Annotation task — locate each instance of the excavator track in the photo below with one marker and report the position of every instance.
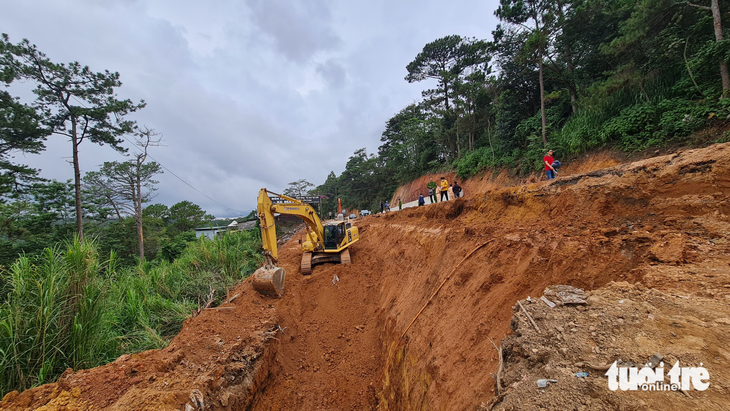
(306, 267)
(345, 256)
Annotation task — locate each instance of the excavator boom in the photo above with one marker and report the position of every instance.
(325, 243)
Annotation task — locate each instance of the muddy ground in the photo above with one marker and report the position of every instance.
(658, 228)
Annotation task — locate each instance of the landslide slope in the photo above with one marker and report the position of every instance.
(334, 340)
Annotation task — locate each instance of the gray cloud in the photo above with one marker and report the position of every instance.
(247, 94)
(333, 73)
(298, 29)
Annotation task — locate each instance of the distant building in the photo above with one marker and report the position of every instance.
(210, 232)
(219, 227)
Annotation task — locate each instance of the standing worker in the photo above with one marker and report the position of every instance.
(431, 190)
(548, 160)
(400, 204)
(444, 189)
(456, 188)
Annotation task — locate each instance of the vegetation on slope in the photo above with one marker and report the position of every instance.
(621, 73)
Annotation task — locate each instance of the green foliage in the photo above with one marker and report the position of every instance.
(20, 130)
(67, 308)
(39, 219)
(72, 101)
(616, 73)
(646, 124)
(634, 127)
(52, 316)
(298, 188)
(172, 249)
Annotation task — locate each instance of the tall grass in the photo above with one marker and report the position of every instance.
(52, 318)
(67, 308)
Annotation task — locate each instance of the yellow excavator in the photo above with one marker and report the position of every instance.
(325, 242)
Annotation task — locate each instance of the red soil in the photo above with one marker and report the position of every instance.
(634, 222)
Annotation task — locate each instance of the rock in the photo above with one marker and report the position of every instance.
(565, 294)
(723, 321)
(671, 250)
(542, 383)
(655, 360)
(548, 302)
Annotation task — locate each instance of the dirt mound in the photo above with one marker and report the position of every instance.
(334, 340)
(489, 180)
(623, 323)
(216, 362)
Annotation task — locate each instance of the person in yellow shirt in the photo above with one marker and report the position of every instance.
(444, 189)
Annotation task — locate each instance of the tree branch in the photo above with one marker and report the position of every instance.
(698, 6)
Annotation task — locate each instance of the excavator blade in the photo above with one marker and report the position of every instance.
(269, 281)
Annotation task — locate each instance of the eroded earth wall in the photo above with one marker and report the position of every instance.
(334, 340)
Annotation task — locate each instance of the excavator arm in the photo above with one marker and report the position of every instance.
(269, 279)
(267, 209)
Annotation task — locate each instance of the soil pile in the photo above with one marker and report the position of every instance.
(623, 323)
(336, 339)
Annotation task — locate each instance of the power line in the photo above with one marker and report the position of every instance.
(168, 170)
(185, 182)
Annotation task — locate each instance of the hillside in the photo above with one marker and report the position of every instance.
(647, 240)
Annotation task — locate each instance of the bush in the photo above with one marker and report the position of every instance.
(52, 318)
(66, 308)
(634, 128)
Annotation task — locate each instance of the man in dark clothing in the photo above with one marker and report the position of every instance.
(382, 206)
(421, 200)
(457, 190)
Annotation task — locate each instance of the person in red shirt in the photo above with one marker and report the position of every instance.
(548, 160)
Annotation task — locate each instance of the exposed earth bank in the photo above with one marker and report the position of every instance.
(336, 339)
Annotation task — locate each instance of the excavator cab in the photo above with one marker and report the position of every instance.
(334, 235)
(330, 237)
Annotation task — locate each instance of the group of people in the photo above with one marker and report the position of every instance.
(385, 205)
(443, 188)
(551, 167)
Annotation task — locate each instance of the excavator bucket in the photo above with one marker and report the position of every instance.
(269, 281)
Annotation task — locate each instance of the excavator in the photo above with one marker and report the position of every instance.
(325, 242)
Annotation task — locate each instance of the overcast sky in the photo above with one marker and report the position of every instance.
(249, 93)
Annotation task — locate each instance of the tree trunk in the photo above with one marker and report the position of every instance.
(77, 179)
(458, 142)
(717, 20)
(489, 136)
(138, 214)
(572, 86)
(542, 103)
(141, 238)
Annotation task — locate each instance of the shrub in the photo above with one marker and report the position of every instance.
(66, 308)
